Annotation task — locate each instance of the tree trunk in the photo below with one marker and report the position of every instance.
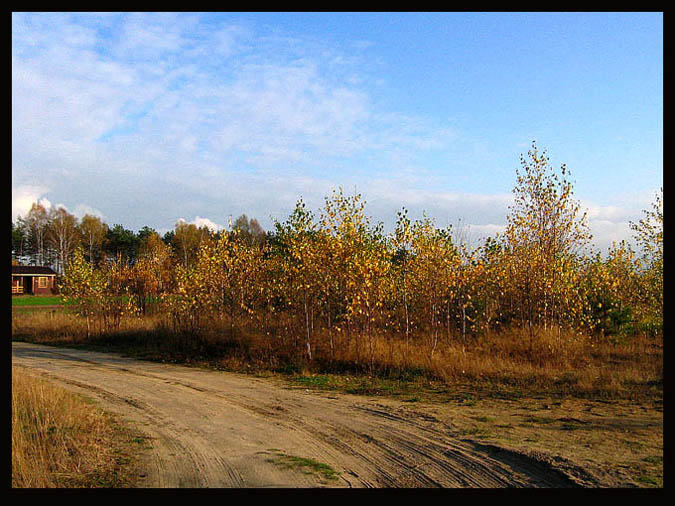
(463, 322)
(307, 334)
(330, 335)
(407, 319)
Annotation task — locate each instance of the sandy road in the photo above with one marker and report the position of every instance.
(215, 429)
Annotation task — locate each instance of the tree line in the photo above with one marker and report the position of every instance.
(326, 282)
(49, 237)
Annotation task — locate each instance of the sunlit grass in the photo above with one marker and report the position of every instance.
(508, 363)
(61, 440)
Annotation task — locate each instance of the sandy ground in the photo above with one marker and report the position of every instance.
(214, 429)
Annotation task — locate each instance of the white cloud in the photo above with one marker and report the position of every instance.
(608, 213)
(200, 222)
(82, 209)
(23, 197)
(611, 223)
(606, 232)
(389, 195)
(487, 230)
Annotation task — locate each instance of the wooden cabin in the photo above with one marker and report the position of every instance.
(33, 280)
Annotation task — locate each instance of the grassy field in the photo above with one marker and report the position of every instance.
(52, 300)
(495, 365)
(36, 300)
(62, 440)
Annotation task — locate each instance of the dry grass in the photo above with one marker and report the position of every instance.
(552, 363)
(60, 440)
(63, 326)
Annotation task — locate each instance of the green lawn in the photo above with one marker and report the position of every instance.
(36, 300)
(54, 300)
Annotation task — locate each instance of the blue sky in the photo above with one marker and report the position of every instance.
(146, 118)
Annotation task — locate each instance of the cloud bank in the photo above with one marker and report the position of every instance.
(144, 118)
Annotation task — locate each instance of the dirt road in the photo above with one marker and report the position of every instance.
(215, 429)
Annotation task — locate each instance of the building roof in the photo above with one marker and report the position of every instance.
(32, 270)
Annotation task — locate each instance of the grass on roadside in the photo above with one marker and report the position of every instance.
(62, 440)
(305, 465)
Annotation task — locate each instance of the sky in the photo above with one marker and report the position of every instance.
(147, 118)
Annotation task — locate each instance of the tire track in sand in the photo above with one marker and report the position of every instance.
(214, 429)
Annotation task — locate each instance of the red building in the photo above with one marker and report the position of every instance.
(35, 280)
